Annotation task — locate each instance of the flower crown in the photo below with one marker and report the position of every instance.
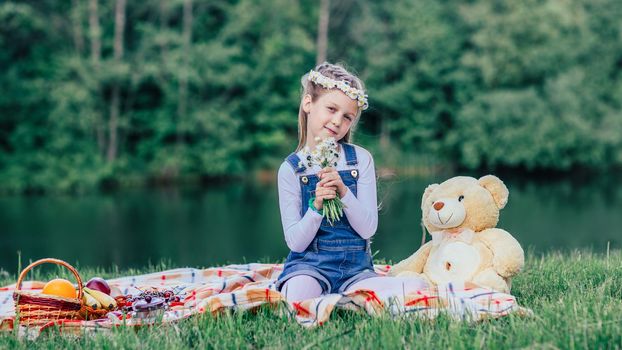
(328, 83)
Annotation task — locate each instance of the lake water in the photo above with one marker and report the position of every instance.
(239, 222)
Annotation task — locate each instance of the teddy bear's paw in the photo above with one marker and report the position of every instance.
(490, 279)
(509, 265)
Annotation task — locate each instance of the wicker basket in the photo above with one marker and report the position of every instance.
(35, 309)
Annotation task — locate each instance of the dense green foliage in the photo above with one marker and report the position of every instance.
(576, 299)
(177, 89)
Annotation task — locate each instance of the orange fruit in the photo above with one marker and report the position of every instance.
(60, 287)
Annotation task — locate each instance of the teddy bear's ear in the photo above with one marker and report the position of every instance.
(497, 188)
(426, 193)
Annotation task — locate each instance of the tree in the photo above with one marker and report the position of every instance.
(545, 99)
(76, 15)
(115, 101)
(95, 36)
(322, 31)
(183, 79)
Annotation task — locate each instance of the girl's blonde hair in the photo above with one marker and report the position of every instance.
(334, 71)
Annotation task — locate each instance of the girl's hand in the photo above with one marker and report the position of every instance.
(330, 178)
(321, 193)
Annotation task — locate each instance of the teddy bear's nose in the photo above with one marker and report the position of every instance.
(439, 205)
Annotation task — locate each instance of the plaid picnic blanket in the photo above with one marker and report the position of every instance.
(244, 287)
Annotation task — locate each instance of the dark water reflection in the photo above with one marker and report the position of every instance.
(240, 222)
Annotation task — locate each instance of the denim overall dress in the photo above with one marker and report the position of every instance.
(337, 257)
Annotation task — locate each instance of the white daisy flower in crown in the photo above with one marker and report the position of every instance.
(350, 91)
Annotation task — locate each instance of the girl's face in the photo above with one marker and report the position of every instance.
(331, 115)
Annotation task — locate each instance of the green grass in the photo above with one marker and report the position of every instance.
(576, 298)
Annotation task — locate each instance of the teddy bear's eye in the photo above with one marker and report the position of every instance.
(460, 198)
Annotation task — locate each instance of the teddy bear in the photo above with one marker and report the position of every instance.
(461, 214)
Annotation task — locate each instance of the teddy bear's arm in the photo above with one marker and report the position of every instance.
(413, 263)
(508, 256)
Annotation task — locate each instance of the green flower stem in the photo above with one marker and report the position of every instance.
(333, 210)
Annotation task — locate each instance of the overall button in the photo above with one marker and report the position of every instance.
(354, 173)
(304, 179)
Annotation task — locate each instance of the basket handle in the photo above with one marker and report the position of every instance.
(24, 272)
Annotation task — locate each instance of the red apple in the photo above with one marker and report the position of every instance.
(98, 283)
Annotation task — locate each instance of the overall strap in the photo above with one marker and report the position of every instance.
(294, 161)
(350, 154)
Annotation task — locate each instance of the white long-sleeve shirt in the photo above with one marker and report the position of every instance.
(361, 210)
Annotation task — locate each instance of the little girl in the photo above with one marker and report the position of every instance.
(328, 258)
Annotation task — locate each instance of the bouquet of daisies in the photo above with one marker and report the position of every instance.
(325, 155)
